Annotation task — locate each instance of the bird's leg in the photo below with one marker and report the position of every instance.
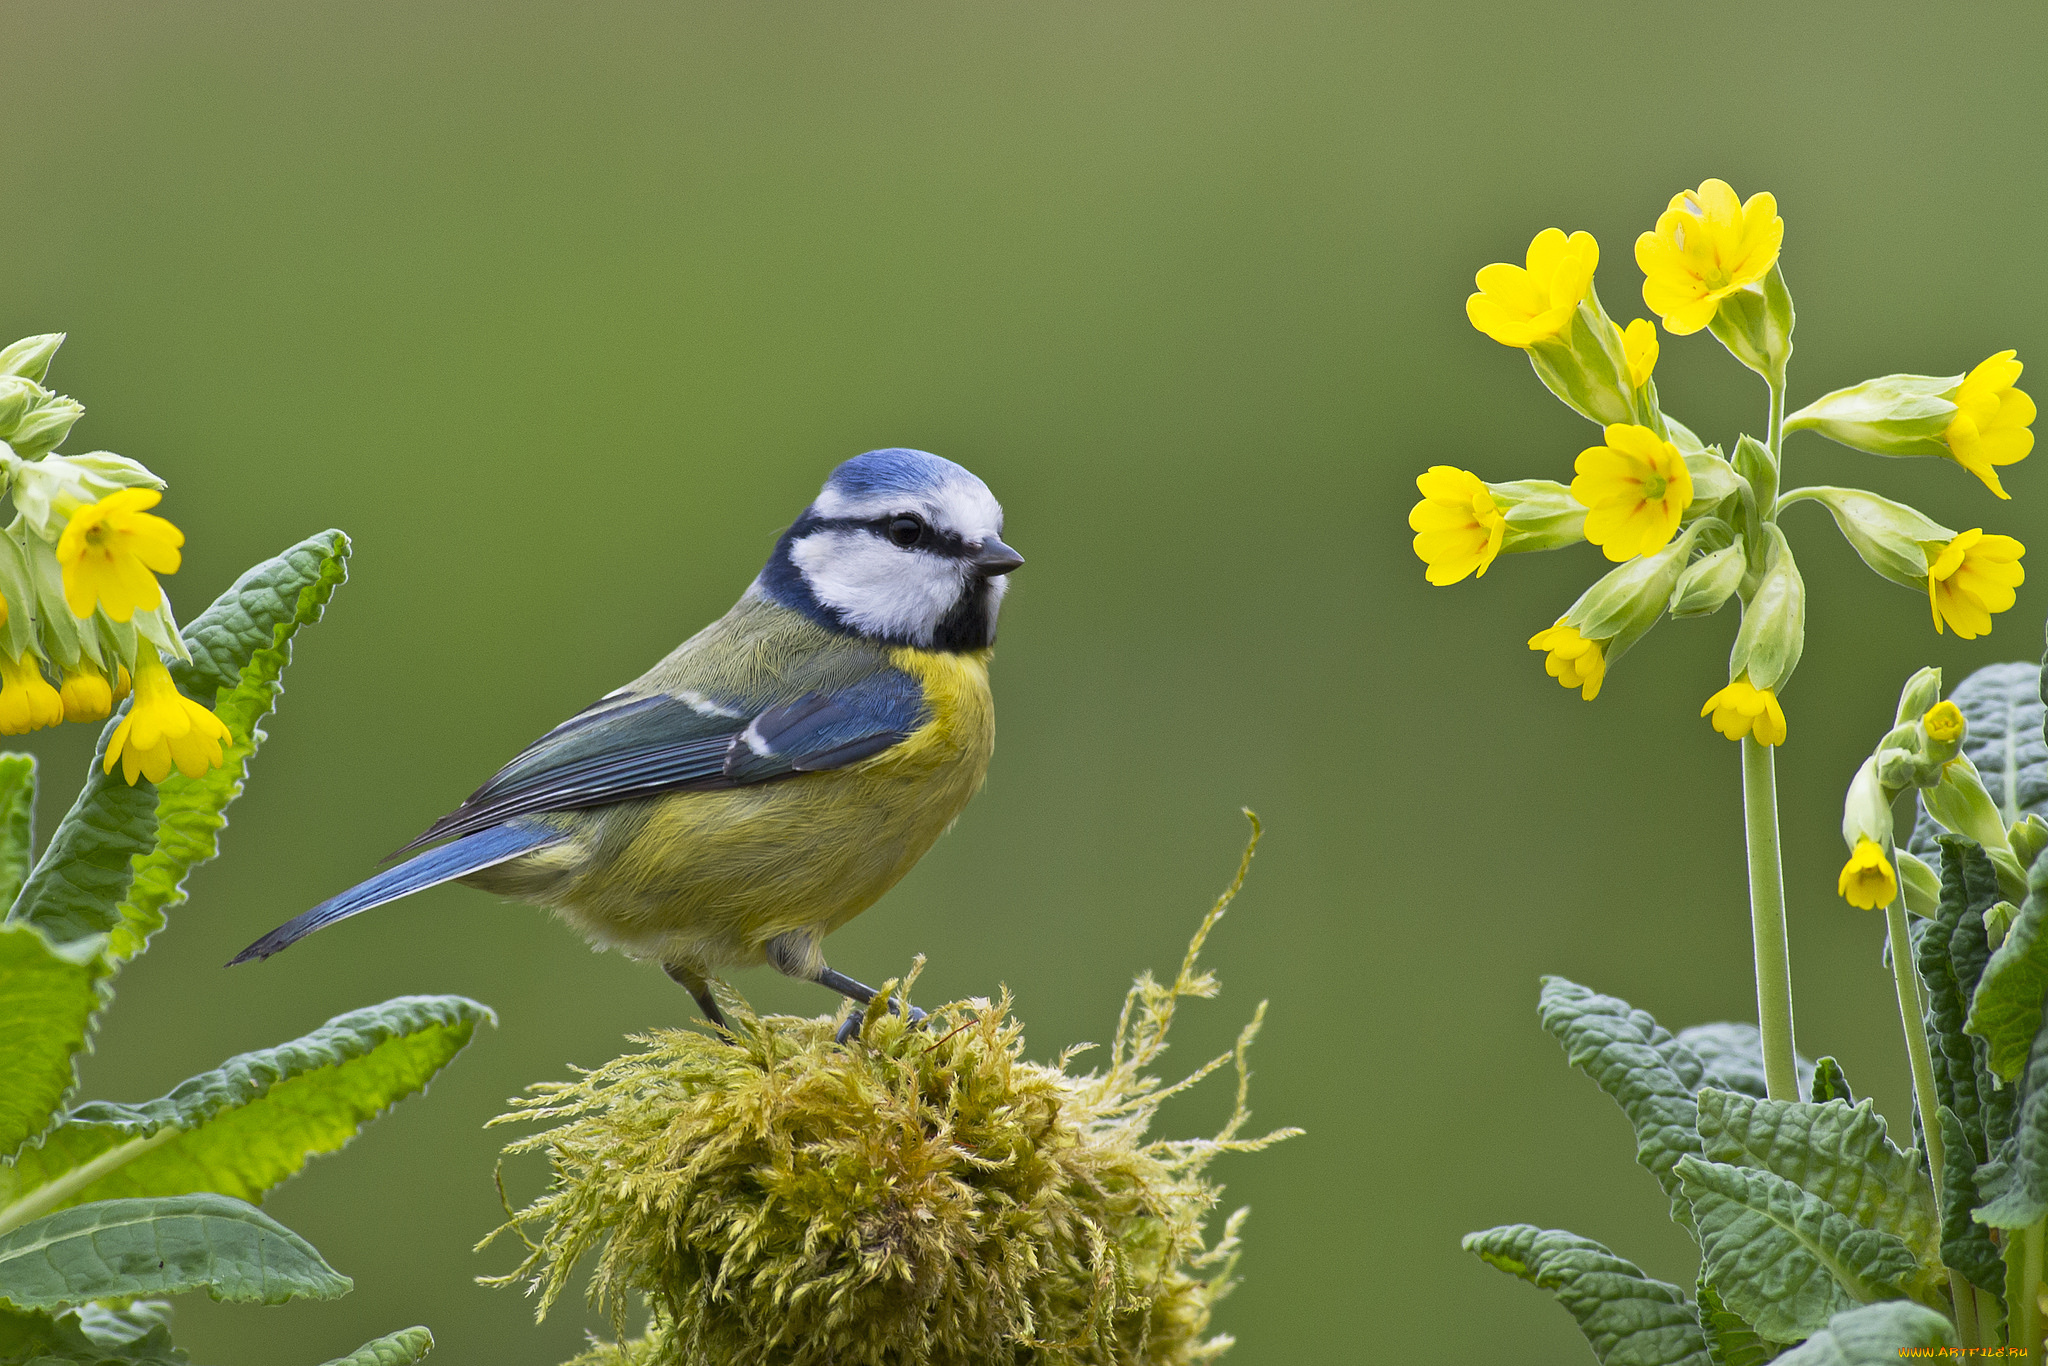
(798, 955)
(694, 983)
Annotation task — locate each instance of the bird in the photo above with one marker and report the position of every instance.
(775, 774)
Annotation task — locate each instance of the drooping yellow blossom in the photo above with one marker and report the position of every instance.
(1635, 488)
(1993, 421)
(1458, 529)
(164, 728)
(1867, 880)
(1573, 660)
(108, 551)
(1972, 577)
(1944, 722)
(27, 701)
(87, 694)
(1741, 709)
(1520, 306)
(1639, 345)
(1706, 246)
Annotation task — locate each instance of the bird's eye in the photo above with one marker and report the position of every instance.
(906, 530)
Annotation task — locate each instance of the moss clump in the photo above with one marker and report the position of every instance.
(922, 1196)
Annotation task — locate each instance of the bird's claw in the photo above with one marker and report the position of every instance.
(850, 1026)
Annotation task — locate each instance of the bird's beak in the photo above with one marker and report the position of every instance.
(995, 558)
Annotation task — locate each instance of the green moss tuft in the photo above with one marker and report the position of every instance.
(922, 1196)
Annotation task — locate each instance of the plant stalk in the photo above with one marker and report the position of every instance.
(1767, 920)
(1918, 1055)
(2028, 1311)
(1969, 1334)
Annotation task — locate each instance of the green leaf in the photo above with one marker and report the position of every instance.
(2002, 703)
(1628, 1318)
(1734, 1057)
(1875, 1335)
(1783, 1258)
(252, 1122)
(1830, 1082)
(240, 647)
(43, 1339)
(1838, 1152)
(1639, 1064)
(17, 822)
(1952, 954)
(47, 999)
(122, 1248)
(119, 858)
(2015, 1179)
(1730, 1339)
(1966, 1245)
(2005, 1010)
(401, 1348)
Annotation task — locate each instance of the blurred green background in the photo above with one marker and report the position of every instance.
(562, 311)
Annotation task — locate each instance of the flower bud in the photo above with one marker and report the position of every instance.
(1941, 732)
(1921, 692)
(30, 357)
(44, 427)
(1867, 809)
(1755, 324)
(1898, 415)
(1713, 479)
(1921, 883)
(1708, 582)
(15, 397)
(17, 587)
(1959, 804)
(1629, 599)
(1893, 539)
(48, 491)
(1773, 633)
(2029, 837)
(1541, 515)
(1585, 366)
(1754, 464)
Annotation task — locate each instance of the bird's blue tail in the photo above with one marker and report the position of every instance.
(469, 854)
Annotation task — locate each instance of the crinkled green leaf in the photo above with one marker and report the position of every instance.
(1628, 1318)
(2014, 1182)
(2005, 1010)
(17, 822)
(1830, 1082)
(1730, 1339)
(256, 1119)
(47, 999)
(121, 1248)
(2002, 703)
(68, 1339)
(1966, 1245)
(119, 858)
(1875, 1335)
(1639, 1064)
(1839, 1152)
(1783, 1258)
(1952, 954)
(240, 647)
(1734, 1057)
(401, 1348)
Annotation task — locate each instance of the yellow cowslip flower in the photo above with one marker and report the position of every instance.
(1741, 709)
(1992, 422)
(164, 728)
(1573, 660)
(27, 701)
(1639, 345)
(108, 550)
(1520, 306)
(1458, 529)
(87, 694)
(1635, 488)
(1867, 881)
(1706, 246)
(1944, 722)
(1972, 577)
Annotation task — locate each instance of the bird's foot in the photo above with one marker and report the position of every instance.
(850, 1026)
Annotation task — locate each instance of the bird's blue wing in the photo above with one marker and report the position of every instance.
(636, 746)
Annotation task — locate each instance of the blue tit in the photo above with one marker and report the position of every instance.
(779, 771)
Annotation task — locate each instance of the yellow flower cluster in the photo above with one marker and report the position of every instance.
(1689, 527)
(81, 610)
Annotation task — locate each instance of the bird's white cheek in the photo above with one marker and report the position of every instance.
(878, 588)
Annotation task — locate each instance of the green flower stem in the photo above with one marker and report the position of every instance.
(1988, 1313)
(2024, 1322)
(1917, 1053)
(1767, 920)
(1969, 1333)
